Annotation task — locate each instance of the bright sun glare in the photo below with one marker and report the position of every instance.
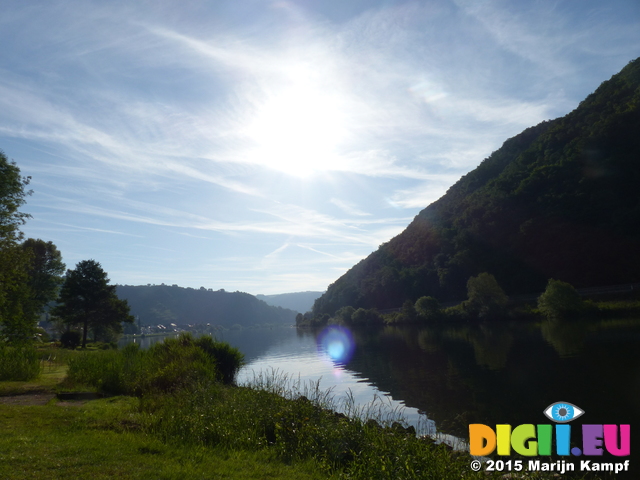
(298, 130)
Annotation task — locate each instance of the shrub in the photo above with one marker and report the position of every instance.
(428, 308)
(228, 359)
(560, 300)
(177, 363)
(19, 363)
(172, 365)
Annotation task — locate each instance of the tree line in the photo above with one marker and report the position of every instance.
(33, 278)
(486, 300)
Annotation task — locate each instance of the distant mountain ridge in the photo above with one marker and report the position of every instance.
(560, 200)
(299, 301)
(164, 304)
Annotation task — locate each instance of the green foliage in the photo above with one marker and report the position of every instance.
(44, 270)
(175, 364)
(560, 300)
(408, 313)
(12, 197)
(228, 359)
(16, 325)
(485, 296)
(18, 363)
(268, 416)
(343, 316)
(363, 316)
(428, 308)
(559, 200)
(87, 300)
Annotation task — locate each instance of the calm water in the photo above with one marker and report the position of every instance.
(450, 376)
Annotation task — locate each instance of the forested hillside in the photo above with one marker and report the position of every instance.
(298, 301)
(164, 304)
(560, 200)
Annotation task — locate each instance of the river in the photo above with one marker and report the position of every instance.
(446, 377)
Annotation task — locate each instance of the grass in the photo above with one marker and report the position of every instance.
(54, 442)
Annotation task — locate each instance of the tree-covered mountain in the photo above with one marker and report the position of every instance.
(299, 301)
(164, 304)
(560, 200)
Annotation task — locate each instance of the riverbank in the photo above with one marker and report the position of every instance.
(209, 430)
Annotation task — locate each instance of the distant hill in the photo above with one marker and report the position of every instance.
(298, 301)
(164, 304)
(560, 200)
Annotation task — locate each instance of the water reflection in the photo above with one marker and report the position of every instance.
(466, 373)
(506, 373)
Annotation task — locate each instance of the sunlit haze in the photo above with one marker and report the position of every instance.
(267, 147)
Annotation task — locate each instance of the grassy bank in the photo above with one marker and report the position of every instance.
(206, 428)
(103, 440)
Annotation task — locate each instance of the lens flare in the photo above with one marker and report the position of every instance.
(337, 343)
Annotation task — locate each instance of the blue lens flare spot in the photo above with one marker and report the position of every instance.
(336, 342)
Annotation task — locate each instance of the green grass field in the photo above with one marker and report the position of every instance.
(100, 440)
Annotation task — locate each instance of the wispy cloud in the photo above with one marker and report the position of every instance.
(348, 208)
(296, 132)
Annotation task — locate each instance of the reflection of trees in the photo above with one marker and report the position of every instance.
(453, 373)
(491, 346)
(567, 338)
(429, 341)
(502, 372)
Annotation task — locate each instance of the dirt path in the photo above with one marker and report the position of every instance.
(28, 399)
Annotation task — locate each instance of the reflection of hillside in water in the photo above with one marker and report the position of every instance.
(505, 373)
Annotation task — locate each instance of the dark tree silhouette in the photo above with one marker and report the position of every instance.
(87, 300)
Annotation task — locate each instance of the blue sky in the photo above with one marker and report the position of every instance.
(267, 147)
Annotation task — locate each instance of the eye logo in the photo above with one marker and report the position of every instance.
(563, 412)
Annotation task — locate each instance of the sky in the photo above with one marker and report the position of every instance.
(268, 146)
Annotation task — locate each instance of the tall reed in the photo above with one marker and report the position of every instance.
(19, 363)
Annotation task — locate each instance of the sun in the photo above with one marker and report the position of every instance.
(298, 130)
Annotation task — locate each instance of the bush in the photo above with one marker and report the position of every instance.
(19, 363)
(172, 365)
(228, 359)
(561, 300)
(428, 308)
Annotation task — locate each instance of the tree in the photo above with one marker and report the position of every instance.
(560, 300)
(16, 326)
(408, 313)
(366, 317)
(486, 297)
(44, 270)
(428, 308)
(12, 193)
(343, 316)
(87, 299)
